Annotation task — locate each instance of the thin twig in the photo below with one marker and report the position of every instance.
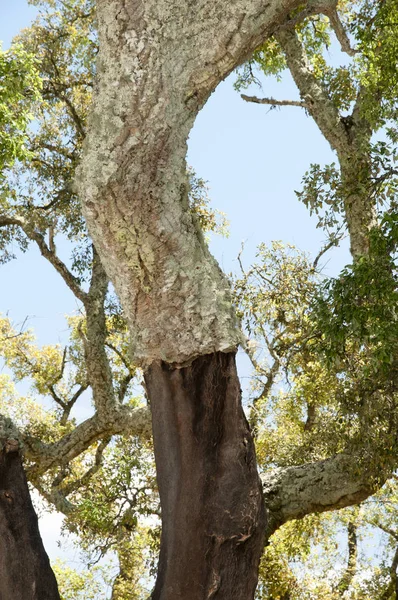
(273, 101)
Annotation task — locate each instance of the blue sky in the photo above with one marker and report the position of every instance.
(253, 159)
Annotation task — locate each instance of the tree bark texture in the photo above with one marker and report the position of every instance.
(158, 63)
(213, 516)
(25, 571)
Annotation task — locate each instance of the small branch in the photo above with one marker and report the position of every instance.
(85, 478)
(350, 571)
(55, 396)
(71, 403)
(74, 115)
(56, 498)
(312, 90)
(64, 192)
(77, 394)
(311, 416)
(15, 335)
(59, 266)
(340, 32)
(72, 110)
(333, 242)
(119, 354)
(57, 149)
(273, 102)
(391, 532)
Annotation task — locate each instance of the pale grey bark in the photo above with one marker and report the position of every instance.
(99, 372)
(272, 101)
(158, 63)
(293, 492)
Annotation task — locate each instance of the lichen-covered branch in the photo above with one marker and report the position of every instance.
(94, 340)
(293, 492)
(272, 101)
(125, 419)
(319, 105)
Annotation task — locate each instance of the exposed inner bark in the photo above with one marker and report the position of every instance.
(213, 514)
(25, 571)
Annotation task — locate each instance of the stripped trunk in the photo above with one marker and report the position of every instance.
(25, 571)
(213, 516)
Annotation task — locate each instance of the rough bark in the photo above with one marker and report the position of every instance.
(293, 492)
(134, 421)
(98, 367)
(25, 571)
(158, 63)
(213, 517)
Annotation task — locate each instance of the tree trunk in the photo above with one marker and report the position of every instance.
(213, 516)
(25, 571)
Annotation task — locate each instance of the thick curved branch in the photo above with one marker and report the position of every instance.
(175, 298)
(127, 420)
(294, 492)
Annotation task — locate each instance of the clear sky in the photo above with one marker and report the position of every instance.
(253, 159)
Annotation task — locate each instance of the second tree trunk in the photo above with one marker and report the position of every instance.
(25, 571)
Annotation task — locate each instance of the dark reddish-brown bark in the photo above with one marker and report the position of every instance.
(213, 516)
(25, 571)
